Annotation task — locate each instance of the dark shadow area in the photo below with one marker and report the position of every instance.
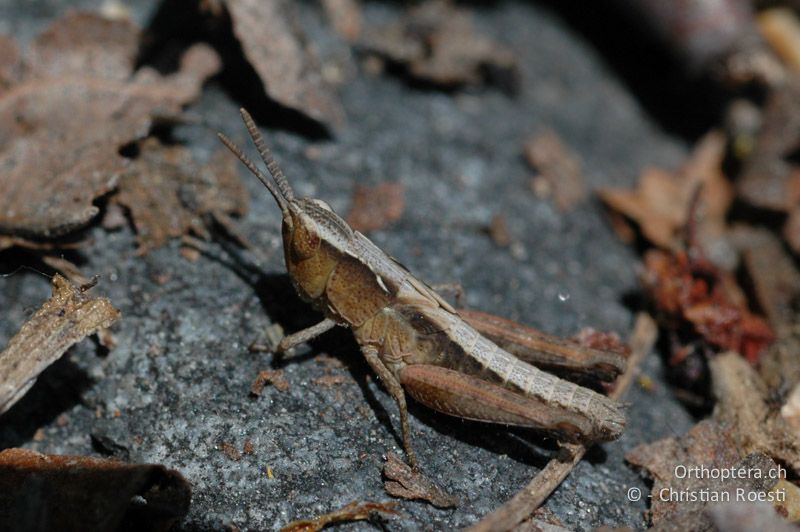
(58, 389)
(177, 24)
(684, 104)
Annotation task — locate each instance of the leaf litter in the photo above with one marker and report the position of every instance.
(53, 166)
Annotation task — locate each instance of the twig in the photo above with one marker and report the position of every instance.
(524, 503)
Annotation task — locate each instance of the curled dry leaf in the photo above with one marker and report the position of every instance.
(406, 483)
(354, 511)
(376, 207)
(691, 292)
(73, 493)
(61, 131)
(169, 195)
(65, 319)
(437, 43)
(708, 445)
(559, 167)
(288, 68)
(662, 202)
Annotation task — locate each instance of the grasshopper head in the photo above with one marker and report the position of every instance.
(306, 222)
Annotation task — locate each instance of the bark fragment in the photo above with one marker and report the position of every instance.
(65, 319)
(376, 207)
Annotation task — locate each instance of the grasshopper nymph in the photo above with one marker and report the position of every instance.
(411, 337)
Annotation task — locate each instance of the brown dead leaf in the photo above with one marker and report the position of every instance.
(289, 69)
(65, 319)
(662, 203)
(741, 403)
(345, 15)
(437, 43)
(273, 377)
(169, 195)
(376, 207)
(41, 492)
(559, 167)
(406, 483)
(60, 136)
(355, 511)
(707, 445)
(84, 43)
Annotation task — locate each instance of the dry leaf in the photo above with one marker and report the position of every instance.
(65, 319)
(407, 483)
(437, 43)
(707, 445)
(741, 404)
(355, 511)
(662, 202)
(61, 135)
(169, 194)
(376, 207)
(747, 516)
(75, 493)
(288, 68)
(84, 43)
(273, 377)
(559, 167)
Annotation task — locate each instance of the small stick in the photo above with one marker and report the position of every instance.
(524, 503)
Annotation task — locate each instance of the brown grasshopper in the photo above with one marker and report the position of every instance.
(411, 337)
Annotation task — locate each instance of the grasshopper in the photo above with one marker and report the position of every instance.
(410, 336)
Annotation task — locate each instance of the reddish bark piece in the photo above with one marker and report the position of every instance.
(74, 493)
(694, 292)
(376, 207)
